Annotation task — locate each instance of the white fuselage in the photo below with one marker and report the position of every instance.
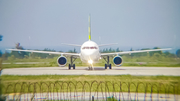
(89, 51)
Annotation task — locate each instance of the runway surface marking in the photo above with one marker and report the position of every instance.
(142, 71)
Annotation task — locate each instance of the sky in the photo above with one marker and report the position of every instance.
(39, 24)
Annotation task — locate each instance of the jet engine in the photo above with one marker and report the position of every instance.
(62, 61)
(117, 60)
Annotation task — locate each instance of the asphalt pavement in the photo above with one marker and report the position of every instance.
(138, 71)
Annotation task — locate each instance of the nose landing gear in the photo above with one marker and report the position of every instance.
(90, 68)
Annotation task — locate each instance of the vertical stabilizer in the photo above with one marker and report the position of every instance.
(89, 28)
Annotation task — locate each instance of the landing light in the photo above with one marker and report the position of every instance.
(90, 61)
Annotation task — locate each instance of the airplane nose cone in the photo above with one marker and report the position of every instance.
(89, 55)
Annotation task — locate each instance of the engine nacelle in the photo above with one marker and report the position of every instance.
(62, 61)
(117, 60)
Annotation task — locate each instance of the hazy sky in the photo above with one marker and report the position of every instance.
(131, 23)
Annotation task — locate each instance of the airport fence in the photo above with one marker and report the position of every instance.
(90, 91)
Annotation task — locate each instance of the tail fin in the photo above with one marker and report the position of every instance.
(89, 28)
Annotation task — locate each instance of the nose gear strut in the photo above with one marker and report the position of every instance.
(90, 67)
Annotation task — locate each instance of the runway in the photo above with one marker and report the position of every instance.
(137, 71)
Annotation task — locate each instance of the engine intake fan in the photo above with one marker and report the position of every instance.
(117, 60)
(62, 61)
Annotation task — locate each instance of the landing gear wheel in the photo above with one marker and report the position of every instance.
(105, 66)
(91, 68)
(69, 66)
(71, 62)
(73, 66)
(110, 66)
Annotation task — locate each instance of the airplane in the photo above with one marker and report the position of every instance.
(89, 53)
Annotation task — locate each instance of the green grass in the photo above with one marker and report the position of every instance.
(127, 78)
(5, 66)
(152, 65)
(99, 83)
(52, 62)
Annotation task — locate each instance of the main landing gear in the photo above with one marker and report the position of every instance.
(72, 60)
(107, 65)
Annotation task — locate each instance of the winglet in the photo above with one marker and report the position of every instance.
(89, 28)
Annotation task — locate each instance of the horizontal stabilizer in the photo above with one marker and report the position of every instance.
(71, 44)
(107, 44)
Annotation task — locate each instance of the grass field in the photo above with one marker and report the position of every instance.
(123, 78)
(77, 83)
(5, 66)
(142, 61)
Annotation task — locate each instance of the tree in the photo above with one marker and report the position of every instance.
(167, 53)
(19, 54)
(178, 53)
(145, 53)
(117, 50)
(72, 51)
(18, 46)
(0, 53)
(106, 50)
(110, 50)
(41, 55)
(152, 53)
(1, 37)
(131, 49)
(131, 54)
(0, 40)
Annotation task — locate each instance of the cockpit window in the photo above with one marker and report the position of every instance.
(89, 47)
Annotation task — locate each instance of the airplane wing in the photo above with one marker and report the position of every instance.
(47, 52)
(129, 52)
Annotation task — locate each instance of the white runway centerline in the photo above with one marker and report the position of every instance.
(144, 71)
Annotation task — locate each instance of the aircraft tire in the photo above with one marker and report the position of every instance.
(73, 66)
(110, 66)
(105, 66)
(69, 66)
(91, 68)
